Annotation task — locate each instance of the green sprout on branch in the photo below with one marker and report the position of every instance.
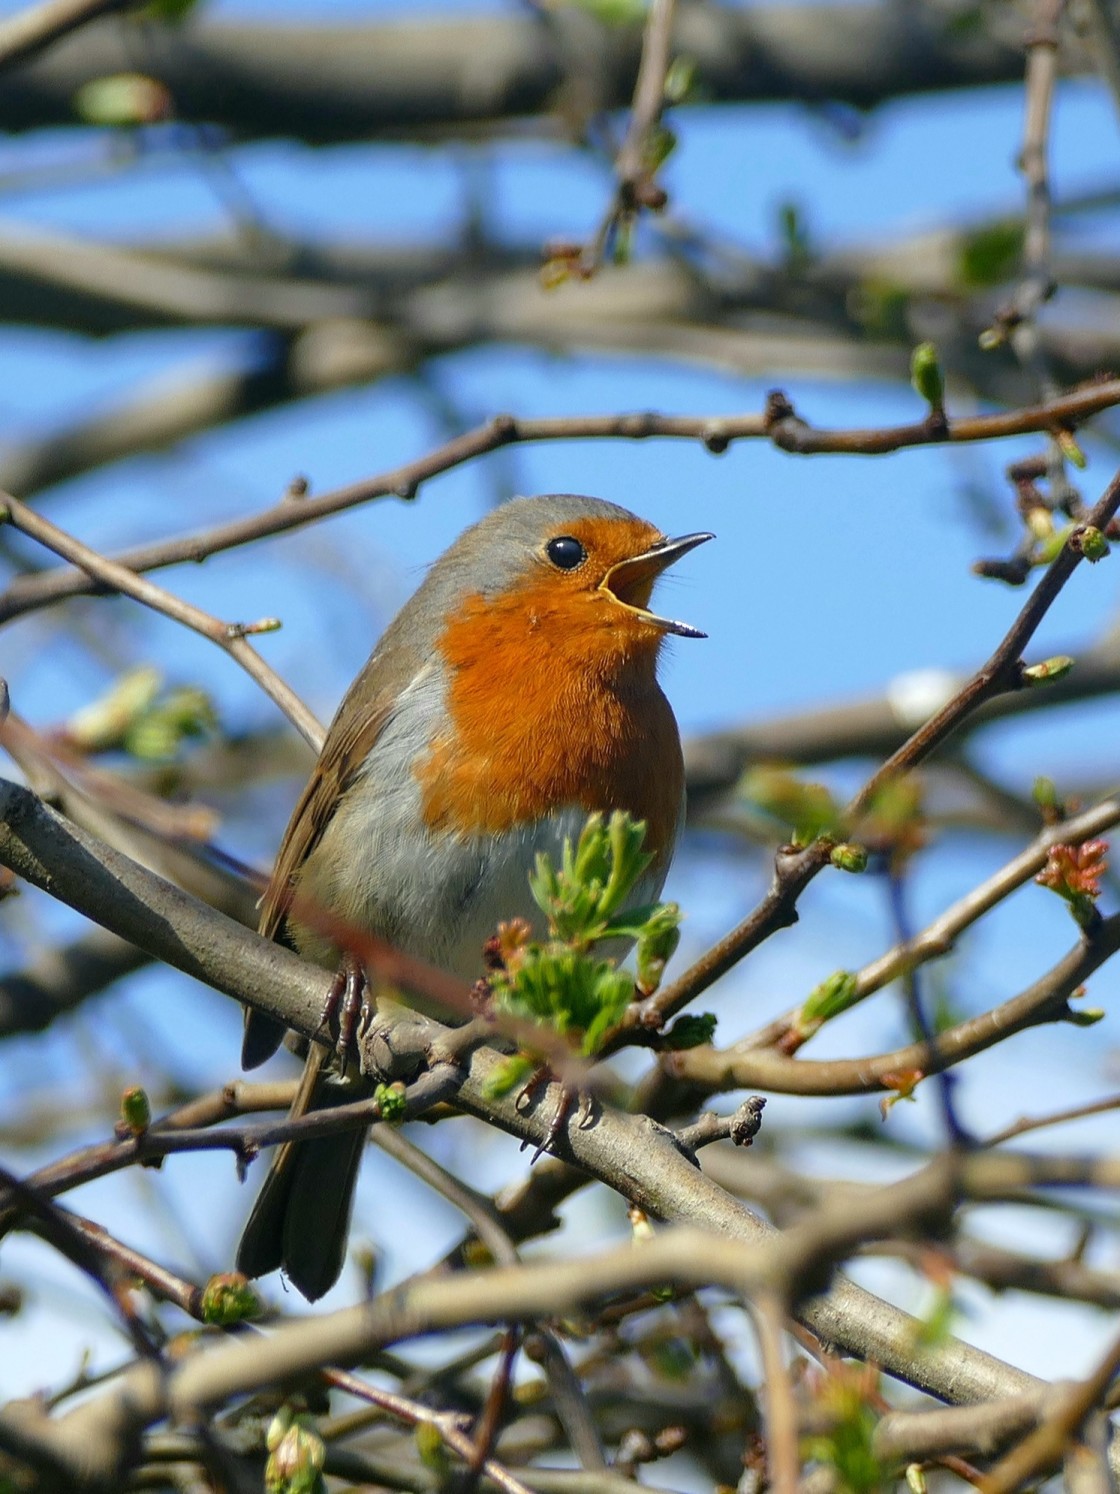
(565, 982)
(834, 995)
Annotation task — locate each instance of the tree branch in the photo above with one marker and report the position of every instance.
(717, 433)
(326, 84)
(629, 1154)
(31, 31)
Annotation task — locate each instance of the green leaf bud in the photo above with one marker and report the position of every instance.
(926, 375)
(848, 857)
(1091, 543)
(228, 1298)
(392, 1102)
(136, 1110)
(1048, 671)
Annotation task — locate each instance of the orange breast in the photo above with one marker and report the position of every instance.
(552, 704)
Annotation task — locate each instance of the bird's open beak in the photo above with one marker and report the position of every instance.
(631, 580)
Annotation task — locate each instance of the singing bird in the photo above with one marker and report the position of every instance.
(512, 696)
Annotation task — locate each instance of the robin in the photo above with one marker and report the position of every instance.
(512, 696)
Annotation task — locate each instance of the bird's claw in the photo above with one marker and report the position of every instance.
(347, 1008)
(566, 1099)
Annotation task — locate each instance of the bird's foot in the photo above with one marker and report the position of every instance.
(347, 1007)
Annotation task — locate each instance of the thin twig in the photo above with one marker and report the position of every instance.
(633, 170)
(795, 869)
(431, 1088)
(919, 1016)
(782, 1459)
(1044, 1447)
(1055, 1118)
(413, 1414)
(481, 1213)
(940, 936)
(717, 433)
(230, 637)
(769, 1069)
(54, 1225)
(1037, 285)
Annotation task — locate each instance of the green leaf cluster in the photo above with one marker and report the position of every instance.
(990, 254)
(583, 897)
(569, 992)
(846, 1447)
(138, 716)
(296, 1454)
(561, 982)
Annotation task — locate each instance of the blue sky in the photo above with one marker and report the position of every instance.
(830, 578)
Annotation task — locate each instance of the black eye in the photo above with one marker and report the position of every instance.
(565, 552)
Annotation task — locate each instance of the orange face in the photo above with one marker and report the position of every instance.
(600, 572)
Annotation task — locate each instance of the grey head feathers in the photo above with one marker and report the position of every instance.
(488, 557)
(499, 548)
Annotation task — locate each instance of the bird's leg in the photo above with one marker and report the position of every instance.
(346, 1005)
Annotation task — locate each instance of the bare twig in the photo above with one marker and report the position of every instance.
(795, 869)
(769, 1069)
(716, 432)
(414, 1414)
(782, 1459)
(483, 1216)
(230, 637)
(55, 1226)
(633, 166)
(1055, 1118)
(1037, 285)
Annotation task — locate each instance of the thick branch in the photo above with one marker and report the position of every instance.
(60, 979)
(628, 1153)
(31, 31)
(332, 83)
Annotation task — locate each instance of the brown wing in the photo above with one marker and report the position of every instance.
(359, 722)
(348, 742)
